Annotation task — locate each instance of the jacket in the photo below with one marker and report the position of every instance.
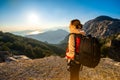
(70, 52)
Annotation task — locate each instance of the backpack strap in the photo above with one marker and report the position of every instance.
(80, 35)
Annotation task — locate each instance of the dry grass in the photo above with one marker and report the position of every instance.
(54, 68)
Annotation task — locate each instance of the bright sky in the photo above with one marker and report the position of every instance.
(19, 15)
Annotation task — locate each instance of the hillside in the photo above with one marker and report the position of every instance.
(102, 26)
(110, 46)
(54, 68)
(26, 46)
(53, 37)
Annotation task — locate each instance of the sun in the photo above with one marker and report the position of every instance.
(33, 18)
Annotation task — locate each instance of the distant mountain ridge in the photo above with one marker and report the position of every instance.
(53, 37)
(102, 26)
(101, 18)
(32, 48)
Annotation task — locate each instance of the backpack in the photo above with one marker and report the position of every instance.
(87, 50)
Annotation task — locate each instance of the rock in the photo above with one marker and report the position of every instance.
(55, 68)
(10, 59)
(4, 55)
(114, 51)
(17, 58)
(21, 57)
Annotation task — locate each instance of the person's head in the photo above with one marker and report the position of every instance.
(76, 23)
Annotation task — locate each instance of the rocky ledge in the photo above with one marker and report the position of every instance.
(55, 68)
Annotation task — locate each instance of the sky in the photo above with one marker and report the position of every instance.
(40, 15)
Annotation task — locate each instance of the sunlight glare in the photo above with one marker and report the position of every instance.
(34, 32)
(33, 18)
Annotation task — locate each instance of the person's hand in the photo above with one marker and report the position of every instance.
(70, 56)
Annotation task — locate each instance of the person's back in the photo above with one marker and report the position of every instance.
(75, 28)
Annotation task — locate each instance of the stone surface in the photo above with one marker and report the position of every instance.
(54, 68)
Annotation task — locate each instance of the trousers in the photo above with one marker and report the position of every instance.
(74, 71)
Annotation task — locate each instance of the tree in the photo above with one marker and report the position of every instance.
(38, 52)
(4, 48)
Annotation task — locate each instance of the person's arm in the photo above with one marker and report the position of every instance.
(71, 46)
(82, 32)
(77, 31)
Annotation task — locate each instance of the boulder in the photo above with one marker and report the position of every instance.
(4, 55)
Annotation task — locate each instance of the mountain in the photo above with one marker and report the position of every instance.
(32, 48)
(52, 37)
(22, 33)
(102, 26)
(55, 68)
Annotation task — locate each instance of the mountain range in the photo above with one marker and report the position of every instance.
(52, 37)
(101, 26)
(32, 48)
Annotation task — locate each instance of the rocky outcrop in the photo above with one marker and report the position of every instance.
(102, 26)
(114, 50)
(4, 55)
(55, 68)
(16, 58)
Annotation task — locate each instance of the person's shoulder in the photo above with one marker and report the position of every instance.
(72, 35)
